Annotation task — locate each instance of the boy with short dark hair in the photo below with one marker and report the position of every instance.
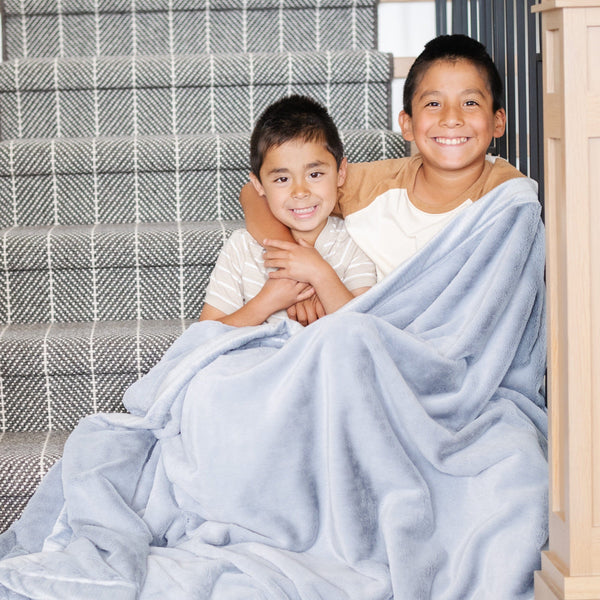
(297, 164)
(392, 208)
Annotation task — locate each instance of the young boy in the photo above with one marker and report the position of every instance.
(392, 208)
(297, 165)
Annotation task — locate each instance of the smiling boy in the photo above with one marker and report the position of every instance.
(452, 116)
(297, 165)
(393, 208)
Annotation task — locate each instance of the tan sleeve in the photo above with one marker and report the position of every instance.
(365, 181)
(494, 173)
(500, 172)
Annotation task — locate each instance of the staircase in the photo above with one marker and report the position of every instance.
(124, 137)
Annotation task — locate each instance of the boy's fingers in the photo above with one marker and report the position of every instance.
(279, 274)
(311, 314)
(319, 308)
(301, 314)
(282, 245)
(272, 263)
(272, 255)
(305, 294)
(271, 258)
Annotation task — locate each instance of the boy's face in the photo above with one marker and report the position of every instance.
(453, 120)
(300, 180)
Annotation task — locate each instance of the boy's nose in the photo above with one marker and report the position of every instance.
(451, 116)
(299, 190)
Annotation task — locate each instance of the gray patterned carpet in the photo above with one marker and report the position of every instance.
(124, 134)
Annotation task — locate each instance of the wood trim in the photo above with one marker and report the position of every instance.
(571, 89)
(401, 66)
(553, 4)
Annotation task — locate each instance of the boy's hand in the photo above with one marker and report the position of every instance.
(280, 294)
(293, 261)
(307, 311)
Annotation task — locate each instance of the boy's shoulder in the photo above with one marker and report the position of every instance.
(239, 234)
(399, 170)
(500, 172)
(242, 241)
(365, 181)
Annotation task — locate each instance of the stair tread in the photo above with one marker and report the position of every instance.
(119, 346)
(17, 7)
(107, 272)
(192, 70)
(115, 244)
(199, 151)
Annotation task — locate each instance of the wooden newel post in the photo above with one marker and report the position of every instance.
(571, 58)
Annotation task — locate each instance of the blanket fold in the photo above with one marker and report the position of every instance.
(394, 449)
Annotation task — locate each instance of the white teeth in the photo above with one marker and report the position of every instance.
(303, 211)
(451, 141)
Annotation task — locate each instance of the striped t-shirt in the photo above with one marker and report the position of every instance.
(240, 274)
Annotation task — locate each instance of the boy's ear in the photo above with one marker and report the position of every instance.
(405, 122)
(260, 190)
(342, 172)
(499, 122)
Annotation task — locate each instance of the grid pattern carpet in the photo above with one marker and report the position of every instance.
(124, 136)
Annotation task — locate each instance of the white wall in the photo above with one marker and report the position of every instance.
(403, 29)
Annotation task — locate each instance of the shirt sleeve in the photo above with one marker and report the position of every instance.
(224, 291)
(360, 271)
(365, 181)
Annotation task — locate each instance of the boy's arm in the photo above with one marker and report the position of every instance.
(260, 221)
(307, 311)
(261, 224)
(240, 318)
(275, 295)
(303, 263)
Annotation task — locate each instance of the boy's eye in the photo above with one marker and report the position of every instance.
(315, 175)
(433, 103)
(472, 103)
(281, 179)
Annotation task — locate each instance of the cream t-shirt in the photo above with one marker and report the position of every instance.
(375, 203)
(391, 229)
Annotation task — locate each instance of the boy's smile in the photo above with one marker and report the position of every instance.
(453, 120)
(300, 181)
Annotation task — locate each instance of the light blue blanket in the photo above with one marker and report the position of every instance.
(395, 449)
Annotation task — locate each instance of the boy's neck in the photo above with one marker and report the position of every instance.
(439, 192)
(310, 237)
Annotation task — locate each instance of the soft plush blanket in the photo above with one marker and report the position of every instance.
(395, 449)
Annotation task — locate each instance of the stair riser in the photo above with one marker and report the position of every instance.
(24, 459)
(109, 273)
(159, 179)
(67, 349)
(69, 397)
(52, 375)
(160, 111)
(191, 32)
(104, 294)
(120, 197)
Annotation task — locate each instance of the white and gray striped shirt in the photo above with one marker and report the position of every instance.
(240, 274)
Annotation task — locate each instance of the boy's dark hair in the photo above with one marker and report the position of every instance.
(453, 47)
(291, 118)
